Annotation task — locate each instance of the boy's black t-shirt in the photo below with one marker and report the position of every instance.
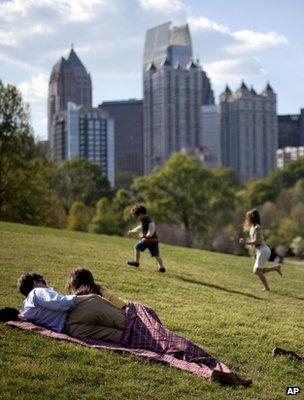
(145, 221)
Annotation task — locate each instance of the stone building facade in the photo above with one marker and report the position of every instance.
(249, 131)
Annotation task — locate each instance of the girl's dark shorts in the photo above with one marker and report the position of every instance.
(151, 246)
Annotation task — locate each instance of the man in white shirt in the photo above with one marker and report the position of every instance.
(43, 304)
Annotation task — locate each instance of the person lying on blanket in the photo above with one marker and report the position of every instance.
(92, 312)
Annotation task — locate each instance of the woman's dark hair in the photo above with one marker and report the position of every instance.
(81, 281)
(27, 281)
(8, 314)
(252, 218)
(138, 209)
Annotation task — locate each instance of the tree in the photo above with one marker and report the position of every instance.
(25, 169)
(298, 191)
(181, 192)
(80, 180)
(297, 246)
(16, 140)
(124, 180)
(29, 198)
(79, 217)
(105, 221)
(297, 215)
(257, 192)
(286, 177)
(287, 230)
(228, 177)
(122, 203)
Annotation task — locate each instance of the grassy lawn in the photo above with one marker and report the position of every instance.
(211, 298)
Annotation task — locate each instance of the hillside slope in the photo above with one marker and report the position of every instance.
(211, 298)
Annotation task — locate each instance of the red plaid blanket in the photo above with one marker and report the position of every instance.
(144, 335)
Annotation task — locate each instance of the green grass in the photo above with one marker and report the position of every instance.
(211, 298)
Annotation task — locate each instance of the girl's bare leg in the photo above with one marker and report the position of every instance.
(260, 274)
(276, 268)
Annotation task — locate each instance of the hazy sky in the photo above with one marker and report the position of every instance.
(255, 40)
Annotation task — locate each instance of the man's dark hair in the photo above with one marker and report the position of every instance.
(138, 209)
(26, 282)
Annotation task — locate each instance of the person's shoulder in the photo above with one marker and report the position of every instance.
(42, 291)
(257, 228)
(37, 291)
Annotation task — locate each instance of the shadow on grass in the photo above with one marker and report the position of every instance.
(217, 287)
(290, 296)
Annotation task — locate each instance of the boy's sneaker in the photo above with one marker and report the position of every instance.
(161, 269)
(133, 263)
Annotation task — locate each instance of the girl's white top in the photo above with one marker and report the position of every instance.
(257, 231)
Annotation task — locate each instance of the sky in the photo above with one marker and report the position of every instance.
(254, 40)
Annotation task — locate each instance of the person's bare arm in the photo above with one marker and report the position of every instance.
(255, 242)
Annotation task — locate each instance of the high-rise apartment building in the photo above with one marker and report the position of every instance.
(291, 130)
(207, 92)
(287, 154)
(88, 133)
(249, 131)
(69, 82)
(167, 42)
(128, 120)
(173, 84)
(211, 136)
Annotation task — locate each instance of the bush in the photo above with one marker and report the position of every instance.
(297, 246)
(79, 217)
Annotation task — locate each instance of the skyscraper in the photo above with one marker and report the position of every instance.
(289, 153)
(207, 92)
(128, 120)
(211, 135)
(249, 131)
(88, 133)
(291, 130)
(69, 82)
(167, 41)
(172, 94)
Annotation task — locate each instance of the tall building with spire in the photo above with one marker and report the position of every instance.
(69, 82)
(249, 131)
(173, 94)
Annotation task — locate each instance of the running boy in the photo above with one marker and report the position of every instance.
(148, 237)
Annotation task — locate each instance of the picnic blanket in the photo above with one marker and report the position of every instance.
(144, 335)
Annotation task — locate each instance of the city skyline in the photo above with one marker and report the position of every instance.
(231, 42)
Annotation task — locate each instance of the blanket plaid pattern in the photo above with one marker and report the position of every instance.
(145, 336)
(144, 330)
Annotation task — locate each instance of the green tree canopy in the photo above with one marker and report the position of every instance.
(105, 220)
(298, 191)
(297, 246)
(79, 217)
(124, 180)
(181, 192)
(80, 180)
(286, 177)
(16, 140)
(25, 169)
(257, 192)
